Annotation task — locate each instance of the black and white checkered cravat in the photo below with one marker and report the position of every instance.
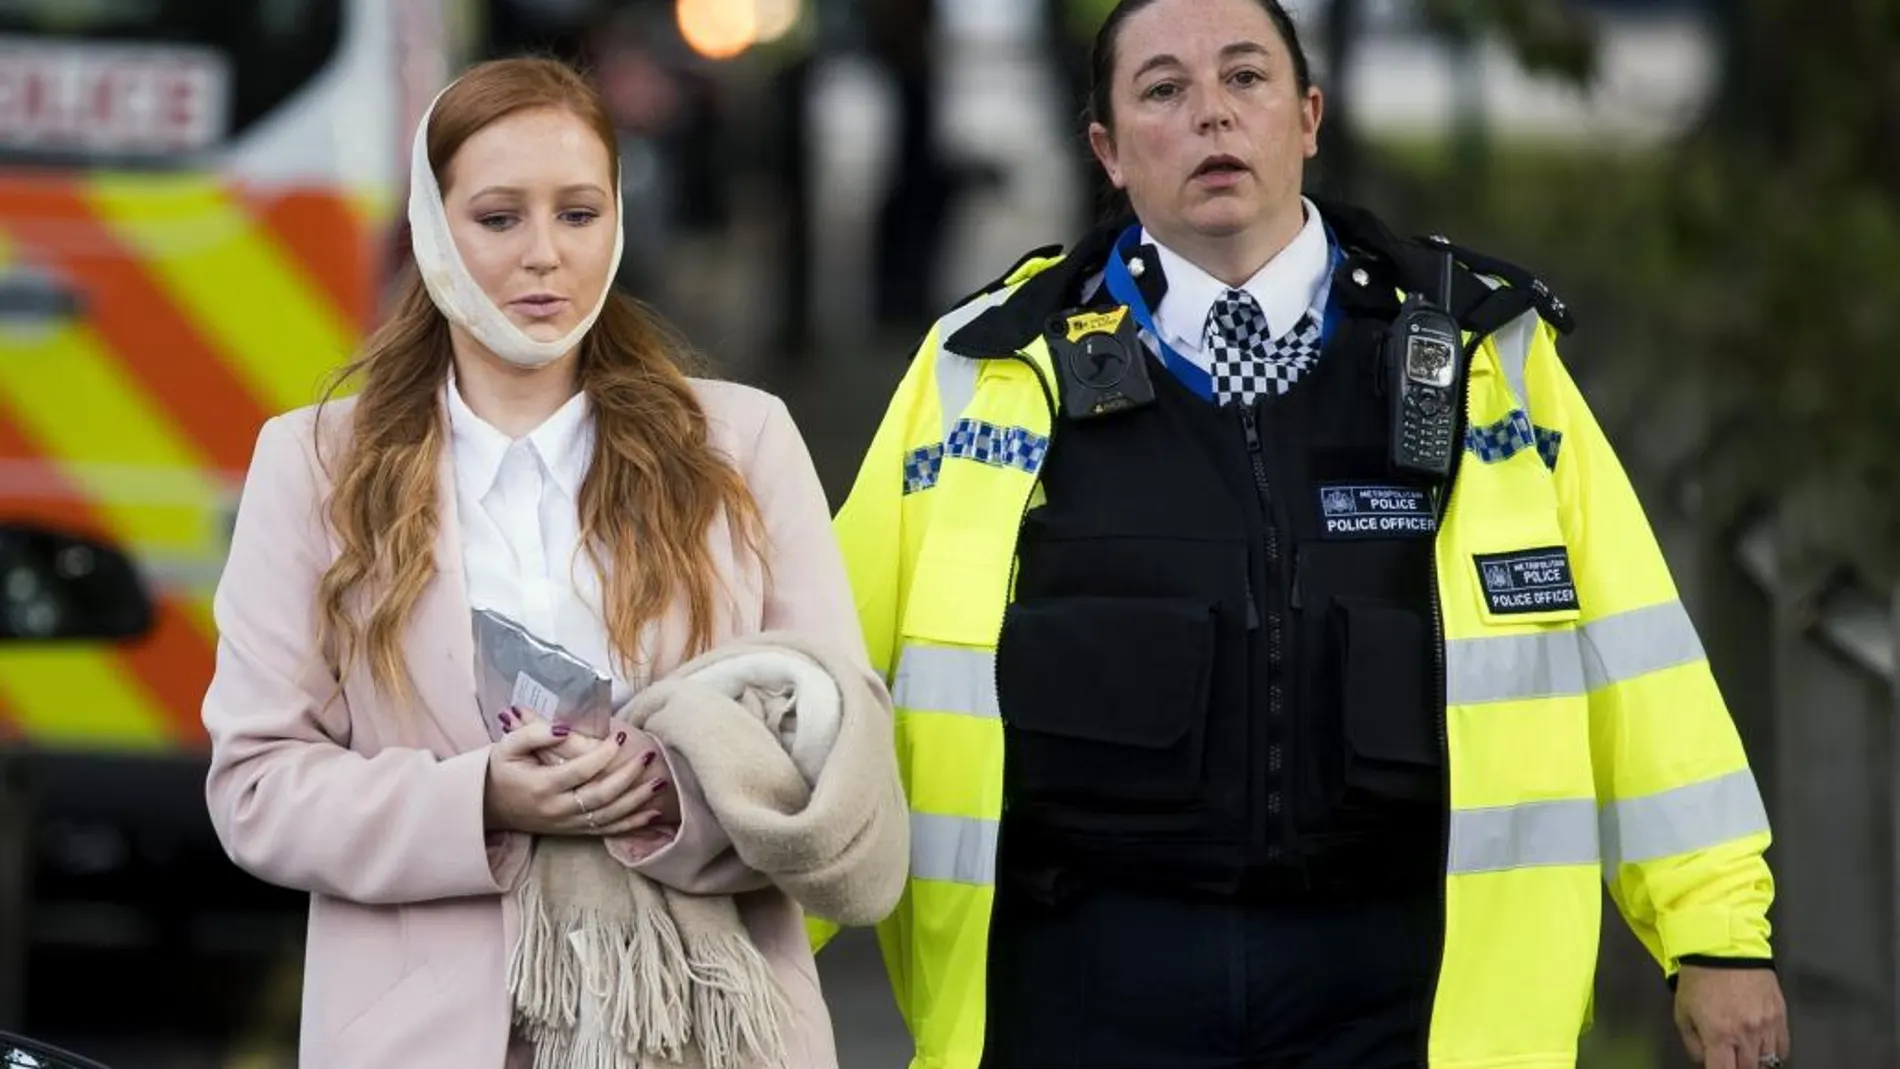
(1243, 361)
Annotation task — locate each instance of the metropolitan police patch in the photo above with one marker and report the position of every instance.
(1358, 510)
(1527, 581)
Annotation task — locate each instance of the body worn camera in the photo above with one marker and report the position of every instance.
(1101, 361)
(1424, 361)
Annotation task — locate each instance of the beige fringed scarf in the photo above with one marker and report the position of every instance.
(792, 748)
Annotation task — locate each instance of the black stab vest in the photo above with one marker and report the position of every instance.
(1217, 671)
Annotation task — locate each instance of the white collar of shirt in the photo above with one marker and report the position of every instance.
(517, 503)
(1291, 284)
(563, 443)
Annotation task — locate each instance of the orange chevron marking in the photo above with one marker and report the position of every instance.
(151, 339)
(174, 662)
(326, 239)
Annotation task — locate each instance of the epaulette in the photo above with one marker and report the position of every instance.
(1487, 292)
(1001, 281)
(1547, 303)
(1008, 327)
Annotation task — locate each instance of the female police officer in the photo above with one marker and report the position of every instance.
(1280, 661)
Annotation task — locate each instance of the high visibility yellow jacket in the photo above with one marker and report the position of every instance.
(1586, 744)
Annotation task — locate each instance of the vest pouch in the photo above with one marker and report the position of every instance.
(1104, 701)
(1388, 711)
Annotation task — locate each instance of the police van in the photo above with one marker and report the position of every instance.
(197, 207)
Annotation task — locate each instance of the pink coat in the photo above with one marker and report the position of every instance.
(377, 810)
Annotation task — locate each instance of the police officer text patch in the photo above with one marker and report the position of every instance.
(1527, 581)
(1361, 510)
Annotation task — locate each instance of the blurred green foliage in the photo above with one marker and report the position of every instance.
(1548, 36)
(1754, 263)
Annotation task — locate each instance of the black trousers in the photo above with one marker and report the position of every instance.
(1125, 980)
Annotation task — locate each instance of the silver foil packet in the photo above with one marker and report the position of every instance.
(515, 669)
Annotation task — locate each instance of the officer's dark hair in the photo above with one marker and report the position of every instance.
(1108, 39)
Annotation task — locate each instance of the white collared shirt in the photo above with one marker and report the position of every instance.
(518, 505)
(1296, 281)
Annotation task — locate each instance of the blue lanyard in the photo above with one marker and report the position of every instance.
(1121, 286)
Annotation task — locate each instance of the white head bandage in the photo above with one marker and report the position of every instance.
(455, 291)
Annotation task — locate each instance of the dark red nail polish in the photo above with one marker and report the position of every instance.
(659, 785)
(647, 758)
(620, 739)
(561, 730)
(507, 718)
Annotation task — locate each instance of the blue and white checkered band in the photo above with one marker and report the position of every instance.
(1244, 361)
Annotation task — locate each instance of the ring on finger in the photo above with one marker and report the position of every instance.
(1772, 1061)
(581, 804)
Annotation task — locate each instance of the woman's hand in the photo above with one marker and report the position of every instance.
(636, 753)
(643, 750)
(592, 790)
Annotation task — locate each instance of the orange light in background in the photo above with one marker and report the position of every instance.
(718, 29)
(776, 18)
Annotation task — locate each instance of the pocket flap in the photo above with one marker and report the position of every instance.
(947, 604)
(1387, 689)
(1125, 671)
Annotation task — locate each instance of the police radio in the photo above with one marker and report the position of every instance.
(1425, 371)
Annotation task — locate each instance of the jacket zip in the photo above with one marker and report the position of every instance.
(1276, 756)
(1441, 502)
(1444, 826)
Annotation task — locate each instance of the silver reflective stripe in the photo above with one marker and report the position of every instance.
(1566, 663)
(943, 679)
(1513, 341)
(1524, 836)
(1682, 821)
(956, 387)
(956, 375)
(1551, 664)
(952, 849)
(1631, 644)
(1513, 667)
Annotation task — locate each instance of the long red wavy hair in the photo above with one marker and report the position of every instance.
(655, 484)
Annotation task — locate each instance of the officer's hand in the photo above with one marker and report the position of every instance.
(1732, 1018)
